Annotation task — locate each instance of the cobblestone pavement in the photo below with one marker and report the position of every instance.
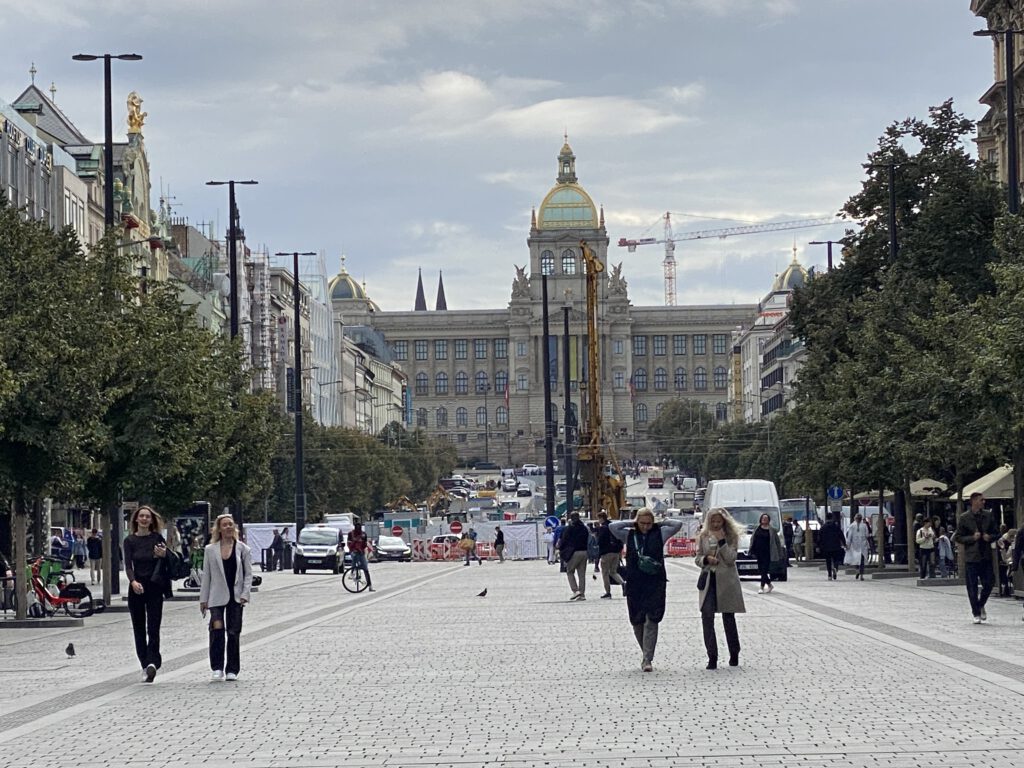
(424, 673)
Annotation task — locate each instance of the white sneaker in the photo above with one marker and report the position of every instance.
(760, 591)
(771, 588)
(145, 676)
(575, 596)
(231, 676)
(216, 675)
(977, 619)
(984, 616)
(150, 673)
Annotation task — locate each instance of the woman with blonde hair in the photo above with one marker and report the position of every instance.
(719, 583)
(645, 575)
(227, 582)
(144, 547)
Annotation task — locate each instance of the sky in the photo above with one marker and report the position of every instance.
(417, 135)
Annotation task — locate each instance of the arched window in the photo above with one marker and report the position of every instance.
(500, 382)
(721, 412)
(721, 378)
(568, 262)
(461, 417)
(481, 416)
(700, 378)
(481, 381)
(640, 379)
(660, 379)
(501, 416)
(680, 379)
(422, 383)
(547, 263)
(641, 413)
(442, 417)
(441, 383)
(421, 417)
(461, 383)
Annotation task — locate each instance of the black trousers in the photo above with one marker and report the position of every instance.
(978, 575)
(832, 562)
(229, 619)
(147, 612)
(764, 569)
(732, 636)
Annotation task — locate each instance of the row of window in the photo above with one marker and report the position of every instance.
(659, 344)
(719, 380)
(640, 412)
(481, 383)
(547, 262)
(459, 348)
(462, 417)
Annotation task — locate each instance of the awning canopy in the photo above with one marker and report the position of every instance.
(997, 484)
(919, 489)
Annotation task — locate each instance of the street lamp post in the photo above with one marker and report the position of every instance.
(300, 483)
(320, 395)
(111, 563)
(1013, 194)
(569, 420)
(233, 247)
(829, 243)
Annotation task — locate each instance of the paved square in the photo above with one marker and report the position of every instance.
(424, 673)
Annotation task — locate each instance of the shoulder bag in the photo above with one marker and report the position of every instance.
(645, 563)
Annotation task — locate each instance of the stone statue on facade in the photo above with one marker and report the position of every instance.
(136, 117)
(521, 285)
(616, 282)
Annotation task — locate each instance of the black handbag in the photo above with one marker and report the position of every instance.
(702, 580)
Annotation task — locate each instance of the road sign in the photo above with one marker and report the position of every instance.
(835, 492)
(397, 530)
(455, 527)
(551, 522)
(835, 505)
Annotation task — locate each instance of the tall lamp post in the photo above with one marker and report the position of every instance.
(300, 483)
(111, 563)
(233, 247)
(1013, 193)
(829, 243)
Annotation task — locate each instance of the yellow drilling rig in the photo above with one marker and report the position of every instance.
(600, 478)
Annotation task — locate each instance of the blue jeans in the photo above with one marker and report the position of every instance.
(359, 561)
(978, 573)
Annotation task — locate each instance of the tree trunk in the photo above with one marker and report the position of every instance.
(907, 526)
(880, 522)
(20, 534)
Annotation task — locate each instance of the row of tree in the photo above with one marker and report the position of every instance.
(914, 360)
(110, 391)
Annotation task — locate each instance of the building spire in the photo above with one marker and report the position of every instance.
(566, 164)
(32, 72)
(442, 303)
(421, 300)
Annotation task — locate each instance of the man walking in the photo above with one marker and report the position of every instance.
(94, 545)
(610, 554)
(277, 552)
(975, 531)
(499, 543)
(572, 545)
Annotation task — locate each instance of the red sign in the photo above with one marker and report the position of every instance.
(397, 530)
(455, 527)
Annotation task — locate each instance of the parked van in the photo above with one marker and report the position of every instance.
(746, 500)
(343, 521)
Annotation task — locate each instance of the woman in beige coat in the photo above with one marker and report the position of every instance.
(721, 591)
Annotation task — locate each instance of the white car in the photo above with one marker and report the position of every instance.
(531, 469)
(509, 484)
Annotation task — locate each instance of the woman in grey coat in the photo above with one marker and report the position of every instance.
(721, 592)
(227, 581)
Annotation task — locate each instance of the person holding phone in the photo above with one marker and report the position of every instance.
(144, 547)
(720, 590)
(227, 582)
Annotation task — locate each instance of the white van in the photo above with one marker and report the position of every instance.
(746, 501)
(343, 521)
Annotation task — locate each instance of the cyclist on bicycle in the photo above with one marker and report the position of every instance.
(358, 545)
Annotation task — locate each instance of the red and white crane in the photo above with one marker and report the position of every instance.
(670, 241)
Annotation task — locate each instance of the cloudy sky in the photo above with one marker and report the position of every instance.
(409, 134)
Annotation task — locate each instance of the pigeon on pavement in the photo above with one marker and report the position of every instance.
(70, 650)
(484, 593)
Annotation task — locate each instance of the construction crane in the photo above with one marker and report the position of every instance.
(670, 241)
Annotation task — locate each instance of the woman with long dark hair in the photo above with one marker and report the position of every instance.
(144, 548)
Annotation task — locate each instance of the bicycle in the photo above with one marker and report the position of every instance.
(353, 578)
(74, 599)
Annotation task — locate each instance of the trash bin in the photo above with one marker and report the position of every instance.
(266, 558)
(286, 562)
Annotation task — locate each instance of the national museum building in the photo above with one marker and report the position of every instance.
(475, 377)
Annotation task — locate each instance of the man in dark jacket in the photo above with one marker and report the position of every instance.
(277, 552)
(610, 553)
(787, 535)
(975, 531)
(832, 543)
(572, 546)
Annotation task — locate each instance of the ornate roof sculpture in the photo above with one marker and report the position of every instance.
(794, 276)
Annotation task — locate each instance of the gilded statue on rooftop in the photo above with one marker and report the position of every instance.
(136, 117)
